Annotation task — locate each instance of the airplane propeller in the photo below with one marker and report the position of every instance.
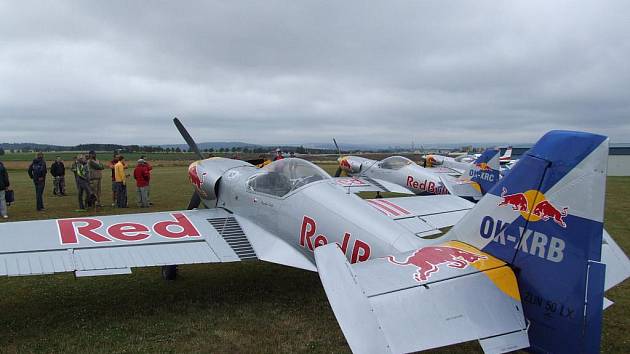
(338, 172)
(195, 200)
(189, 140)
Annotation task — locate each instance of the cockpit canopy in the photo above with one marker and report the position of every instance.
(395, 162)
(281, 177)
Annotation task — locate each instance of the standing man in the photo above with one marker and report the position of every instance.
(37, 172)
(111, 165)
(4, 186)
(58, 171)
(83, 182)
(120, 174)
(96, 175)
(74, 168)
(142, 175)
(149, 185)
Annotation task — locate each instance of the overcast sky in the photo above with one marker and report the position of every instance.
(303, 71)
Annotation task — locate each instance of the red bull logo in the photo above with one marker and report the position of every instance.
(533, 206)
(197, 179)
(427, 260)
(483, 166)
(345, 164)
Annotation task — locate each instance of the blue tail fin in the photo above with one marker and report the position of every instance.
(485, 170)
(545, 218)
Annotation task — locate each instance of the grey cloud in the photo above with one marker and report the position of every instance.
(291, 72)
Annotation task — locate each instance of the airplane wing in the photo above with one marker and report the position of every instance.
(368, 184)
(105, 245)
(461, 188)
(423, 215)
(426, 298)
(447, 170)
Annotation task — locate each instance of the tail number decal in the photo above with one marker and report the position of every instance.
(535, 243)
(360, 250)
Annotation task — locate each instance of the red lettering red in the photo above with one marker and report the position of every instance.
(344, 244)
(307, 231)
(128, 231)
(320, 240)
(360, 251)
(69, 232)
(409, 181)
(186, 228)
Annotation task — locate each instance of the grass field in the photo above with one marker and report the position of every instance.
(225, 308)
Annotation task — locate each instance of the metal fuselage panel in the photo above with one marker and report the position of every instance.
(318, 213)
(412, 177)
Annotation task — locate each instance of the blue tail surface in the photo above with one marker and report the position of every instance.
(545, 219)
(486, 170)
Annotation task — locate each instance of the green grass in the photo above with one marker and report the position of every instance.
(251, 307)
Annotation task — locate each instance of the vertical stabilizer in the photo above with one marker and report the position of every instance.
(546, 219)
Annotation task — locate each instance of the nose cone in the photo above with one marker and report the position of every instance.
(197, 175)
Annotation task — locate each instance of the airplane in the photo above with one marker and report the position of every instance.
(507, 156)
(438, 160)
(526, 267)
(475, 179)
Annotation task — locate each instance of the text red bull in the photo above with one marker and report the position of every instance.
(428, 259)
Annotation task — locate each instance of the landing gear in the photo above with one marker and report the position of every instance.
(169, 272)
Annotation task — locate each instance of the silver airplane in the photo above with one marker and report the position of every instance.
(467, 180)
(395, 283)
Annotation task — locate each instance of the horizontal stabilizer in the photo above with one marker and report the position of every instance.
(367, 184)
(617, 263)
(396, 306)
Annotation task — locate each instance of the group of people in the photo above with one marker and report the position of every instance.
(88, 174)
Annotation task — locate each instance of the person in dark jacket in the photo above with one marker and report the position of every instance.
(58, 172)
(37, 172)
(4, 186)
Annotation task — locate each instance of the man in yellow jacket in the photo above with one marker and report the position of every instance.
(120, 176)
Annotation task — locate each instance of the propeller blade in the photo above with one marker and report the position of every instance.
(338, 172)
(195, 201)
(337, 146)
(189, 140)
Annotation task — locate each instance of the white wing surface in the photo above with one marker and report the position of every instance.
(428, 298)
(368, 184)
(423, 215)
(104, 245)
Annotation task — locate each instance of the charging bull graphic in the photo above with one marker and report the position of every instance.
(428, 259)
(518, 201)
(546, 211)
(534, 206)
(196, 179)
(483, 166)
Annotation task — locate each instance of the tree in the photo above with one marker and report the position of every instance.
(177, 149)
(1, 151)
